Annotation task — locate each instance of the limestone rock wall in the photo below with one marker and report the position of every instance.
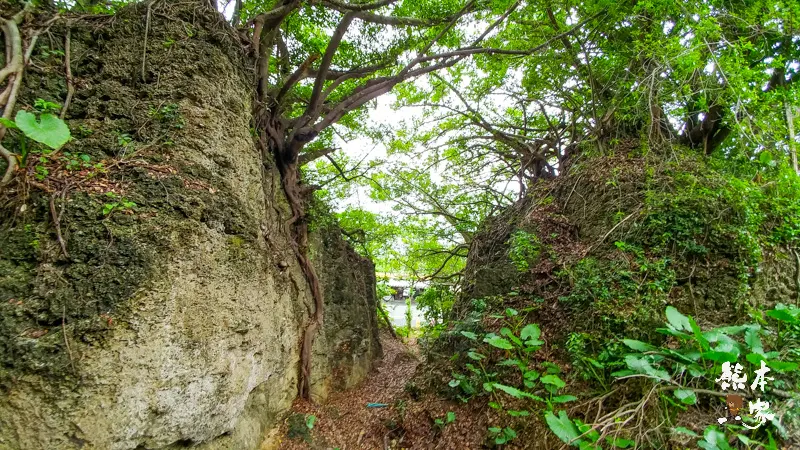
(176, 321)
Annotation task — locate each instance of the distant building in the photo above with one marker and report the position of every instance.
(402, 286)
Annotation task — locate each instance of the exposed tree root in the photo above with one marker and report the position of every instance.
(12, 72)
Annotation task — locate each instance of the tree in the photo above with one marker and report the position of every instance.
(307, 82)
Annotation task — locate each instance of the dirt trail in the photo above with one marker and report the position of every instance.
(345, 422)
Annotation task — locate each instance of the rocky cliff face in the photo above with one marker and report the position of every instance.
(174, 316)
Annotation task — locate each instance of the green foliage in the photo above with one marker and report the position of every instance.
(48, 130)
(505, 364)
(435, 302)
(449, 418)
(502, 436)
(625, 295)
(169, 114)
(524, 249)
(119, 204)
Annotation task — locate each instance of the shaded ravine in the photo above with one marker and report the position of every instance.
(406, 422)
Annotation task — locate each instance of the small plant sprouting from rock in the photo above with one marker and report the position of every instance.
(119, 204)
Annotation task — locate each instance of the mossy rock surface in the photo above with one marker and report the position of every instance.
(619, 237)
(175, 315)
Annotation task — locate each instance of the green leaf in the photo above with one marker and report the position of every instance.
(514, 413)
(753, 340)
(686, 431)
(677, 320)
(469, 335)
(514, 392)
(475, 355)
(782, 315)
(638, 345)
(562, 426)
(451, 417)
(781, 366)
(643, 366)
(499, 343)
(698, 334)
(310, 420)
(530, 375)
(713, 439)
(50, 130)
(721, 357)
(620, 442)
(509, 362)
(563, 399)
(8, 123)
(686, 396)
(554, 380)
(530, 332)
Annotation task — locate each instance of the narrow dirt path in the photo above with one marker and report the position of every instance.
(345, 422)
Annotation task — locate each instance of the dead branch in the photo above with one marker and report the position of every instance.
(57, 220)
(68, 68)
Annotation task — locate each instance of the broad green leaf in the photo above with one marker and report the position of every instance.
(554, 380)
(530, 332)
(563, 399)
(530, 375)
(721, 357)
(643, 366)
(698, 334)
(499, 343)
(475, 356)
(781, 366)
(713, 439)
(310, 420)
(753, 340)
(451, 417)
(562, 426)
(638, 345)
(677, 320)
(50, 130)
(782, 315)
(469, 335)
(686, 396)
(507, 333)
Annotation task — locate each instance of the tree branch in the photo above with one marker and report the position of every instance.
(325, 64)
(307, 157)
